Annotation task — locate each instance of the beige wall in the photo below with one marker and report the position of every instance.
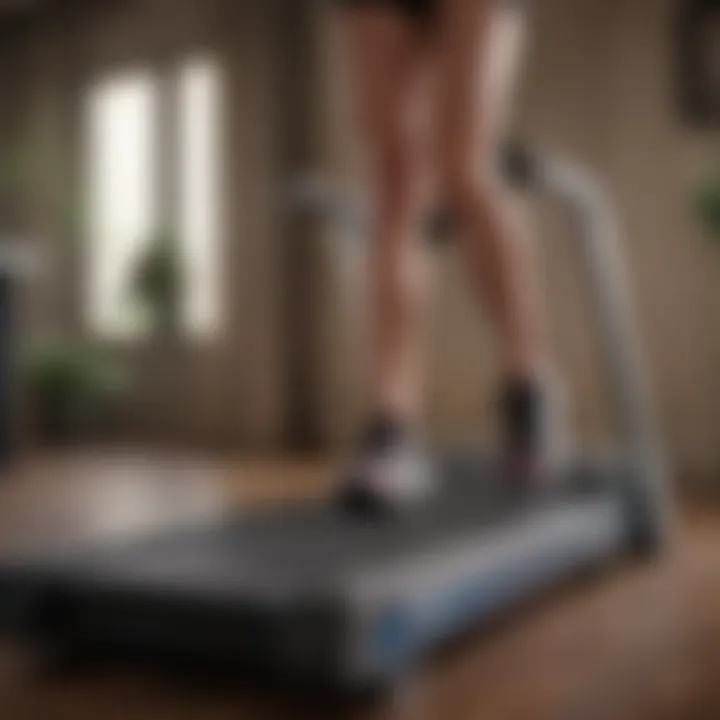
(598, 89)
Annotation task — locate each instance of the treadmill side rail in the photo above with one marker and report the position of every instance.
(399, 612)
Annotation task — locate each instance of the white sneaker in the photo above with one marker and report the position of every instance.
(387, 474)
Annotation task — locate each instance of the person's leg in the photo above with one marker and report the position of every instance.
(387, 48)
(480, 42)
(387, 60)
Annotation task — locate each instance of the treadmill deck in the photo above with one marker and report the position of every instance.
(358, 595)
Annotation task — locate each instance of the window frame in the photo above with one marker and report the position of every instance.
(167, 184)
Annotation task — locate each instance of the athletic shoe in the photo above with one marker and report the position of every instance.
(389, 471)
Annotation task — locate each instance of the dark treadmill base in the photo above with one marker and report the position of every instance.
(302, 591)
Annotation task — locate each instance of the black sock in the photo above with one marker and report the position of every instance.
(521, 406)
(382, 431)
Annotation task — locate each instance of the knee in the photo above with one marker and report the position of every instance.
(393, 153)
(466, 179)
(395, 164)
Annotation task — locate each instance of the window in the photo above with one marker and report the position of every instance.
(122, 156)
(199, 144)
(127, 163)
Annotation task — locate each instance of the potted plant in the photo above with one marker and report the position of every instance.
(155, 286)
(72, 385)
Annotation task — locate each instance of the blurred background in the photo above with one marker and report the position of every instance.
(145, 146)
(159, 294)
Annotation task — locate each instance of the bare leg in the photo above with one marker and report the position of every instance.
(479, 40)
(479, 46)
(388, 57)
(389, 53)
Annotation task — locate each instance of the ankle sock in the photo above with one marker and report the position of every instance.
(521, 405)
(382, 431)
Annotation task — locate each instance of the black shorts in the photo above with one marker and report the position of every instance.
(421, 10)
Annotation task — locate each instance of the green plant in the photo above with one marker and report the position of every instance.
(73, 386)
(156, 281)
(707, 205)
(60, 371)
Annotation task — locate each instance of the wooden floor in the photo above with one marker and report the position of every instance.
(639, 642)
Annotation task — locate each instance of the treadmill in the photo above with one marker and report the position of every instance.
(305, 593)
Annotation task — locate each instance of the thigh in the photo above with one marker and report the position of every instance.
(480, 45)
(387, 52)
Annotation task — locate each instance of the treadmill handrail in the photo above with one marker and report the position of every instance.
(599, 240)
